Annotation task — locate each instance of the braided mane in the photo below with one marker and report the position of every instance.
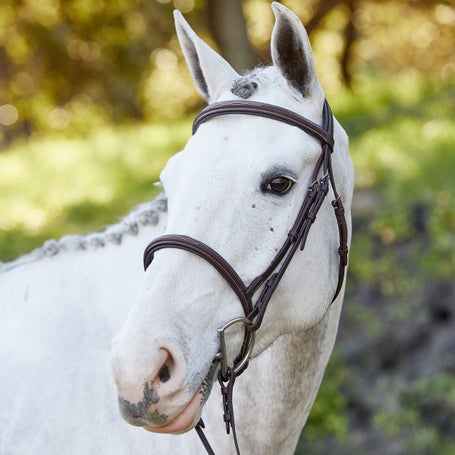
(146, 214)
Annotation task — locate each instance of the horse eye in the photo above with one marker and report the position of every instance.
(280, 185)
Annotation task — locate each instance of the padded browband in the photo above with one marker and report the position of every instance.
(264, 110)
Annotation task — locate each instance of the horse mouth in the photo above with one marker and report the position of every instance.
(186, 420)
(158, 422)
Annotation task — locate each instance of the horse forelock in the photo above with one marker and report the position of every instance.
(146, 214)
(266, 81)
(244, 87)
(252, 81)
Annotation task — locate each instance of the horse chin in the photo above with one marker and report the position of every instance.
(191, 414)
(186, 420)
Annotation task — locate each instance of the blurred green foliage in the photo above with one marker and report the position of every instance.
(402, 141)
(56, 185)
(75, 65)
(425, 407)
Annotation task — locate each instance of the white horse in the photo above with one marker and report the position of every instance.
(237, 186)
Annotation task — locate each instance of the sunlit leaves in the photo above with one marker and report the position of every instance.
(120, 60)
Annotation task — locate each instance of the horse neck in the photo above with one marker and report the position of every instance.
(273, 398)
(97, 274)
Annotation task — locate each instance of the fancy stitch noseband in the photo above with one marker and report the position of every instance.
(322, 178)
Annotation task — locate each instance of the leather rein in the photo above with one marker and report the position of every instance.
(322, 178)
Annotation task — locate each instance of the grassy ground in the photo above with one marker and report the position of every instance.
(402, 141)
(54, 185)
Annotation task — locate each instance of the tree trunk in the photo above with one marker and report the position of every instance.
(350, 36)
(228, 27)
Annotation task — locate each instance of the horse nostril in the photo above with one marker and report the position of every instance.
(167, 367)
(165, 373)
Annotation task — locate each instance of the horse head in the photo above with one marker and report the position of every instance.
(237, 186)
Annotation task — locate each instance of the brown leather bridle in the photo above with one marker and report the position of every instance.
(322, 178)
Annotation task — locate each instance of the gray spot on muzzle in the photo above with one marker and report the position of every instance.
(140, 414)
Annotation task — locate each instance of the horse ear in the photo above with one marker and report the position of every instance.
(291, 50)
(211, 73)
